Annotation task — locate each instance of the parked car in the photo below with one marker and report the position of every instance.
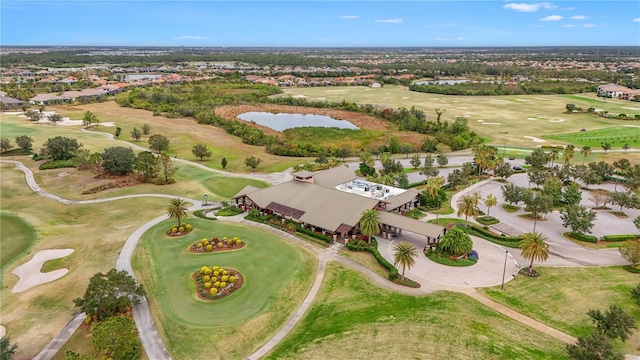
(518, 168)
(512, 157)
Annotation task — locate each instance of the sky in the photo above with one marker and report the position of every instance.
(240, 23)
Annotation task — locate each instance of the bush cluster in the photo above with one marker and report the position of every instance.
(582, 237)
(509, 241)
(180, 230)
(360, 245)
(56, 164)
(215, 282)
(622, 237)
(206, 245)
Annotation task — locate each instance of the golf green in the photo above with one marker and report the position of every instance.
(17, 236)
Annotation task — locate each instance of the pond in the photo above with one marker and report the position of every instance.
(284, 121)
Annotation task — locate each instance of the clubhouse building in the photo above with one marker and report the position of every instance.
(333, 201)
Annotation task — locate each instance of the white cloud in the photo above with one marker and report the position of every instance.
(460, 38)
(636, 20)
(590, 25)
(568, 26)
(350, 17)
(390, 21)
(529, 7)
(191, 37)
(552, 18)
(578, 17)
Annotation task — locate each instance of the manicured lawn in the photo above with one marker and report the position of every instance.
(16, 236)
(227, 187)
(352, 319)
(616, 136)
(510, 208)
(277, 276)
(366, 259)
(561, 297)
(446, 221)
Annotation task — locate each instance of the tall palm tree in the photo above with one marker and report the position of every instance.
(553, 155)
(586, 151)
(490, 202)
(404, 254)
(533, 246)
(467, 206)
(370, 223)
(177, 209)
(569, 153)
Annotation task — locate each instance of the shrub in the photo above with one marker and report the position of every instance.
(174, 230)
(225, 278)
(232, 279)
(582, 237)
(224, 272)
(213, 291)
(373, 249)
(216, 272)
(209, 248)
(181, 229)
(220, 244)
(206, 278)
(623, 237)
(203, 269)
(238, 242)
(199, 245)
(56, 164)
(223, 284)
(216, 284)
(487, 220)
(207, 271)
(188, 227)
(214, 279)
(207, 285)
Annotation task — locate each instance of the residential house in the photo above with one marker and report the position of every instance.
(611, 90)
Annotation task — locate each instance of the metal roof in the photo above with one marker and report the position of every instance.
(409, 224)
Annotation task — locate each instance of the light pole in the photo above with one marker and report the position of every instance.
(504, 269)
(205, 199)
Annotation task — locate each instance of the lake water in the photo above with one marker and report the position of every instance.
(283, 121)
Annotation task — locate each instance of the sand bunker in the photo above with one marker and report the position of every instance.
(3, 331)
(491, 123)
(321, 99)
(532, 119)
(455, 101)
(535, 139)
(522, 100)
(29, 272)
(405, 97)
(299, 96)
(636, 126)
(597, 110)
(630, 108)
(557, 121)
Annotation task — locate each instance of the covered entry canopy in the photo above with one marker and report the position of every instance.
(409, 224)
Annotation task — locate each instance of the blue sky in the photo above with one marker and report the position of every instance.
(320, 23)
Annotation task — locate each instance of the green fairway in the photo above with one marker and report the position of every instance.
(277, 275)
(226, 187)
(616, 136)
(496, 118)
(16, 236)
(561, 297)
(352, 319)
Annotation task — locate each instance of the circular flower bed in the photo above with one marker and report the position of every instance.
(215, 244)
(215, 282)
(181, 230)
(444, 258)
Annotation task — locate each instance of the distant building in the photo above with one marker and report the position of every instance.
(611, 90)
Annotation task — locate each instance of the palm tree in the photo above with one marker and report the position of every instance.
(533, 246)
(467, 206)
(370, 223)
(586, 150)
(177, 209)
(404, 254)
(569, 152)
(490, 202)
(553, 155)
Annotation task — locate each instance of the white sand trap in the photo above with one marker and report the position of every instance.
(405, 97)
(299, 96)
(29, 272)
(597, 110)
(491, 123)
(13, 113)
(532, 119)
(522, 100)
(630, 108)
(462, 108)
(636, 126)
(480, 120)
(540, 98)
(455, 101)
(3, 331)
(557, 121)
(321, 98)
(535, 139)
(387, 93)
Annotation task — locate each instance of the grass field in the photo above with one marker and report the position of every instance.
(16, 236)
(97, 232)
(503, 117)
(561, 297)
(616, 136)
(80, 342)
(352, 319)
(183, 134)
(277, 276)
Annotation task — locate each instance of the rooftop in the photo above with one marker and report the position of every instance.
(370, 189)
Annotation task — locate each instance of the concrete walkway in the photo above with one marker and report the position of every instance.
(59, 340)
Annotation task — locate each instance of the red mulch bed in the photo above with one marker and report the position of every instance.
(203, 293)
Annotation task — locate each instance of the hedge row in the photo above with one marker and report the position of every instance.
(582, 237)
(201, 215)
(313, 234)
(509, 241)
(57, 164)
(373, 249)
(623, 237)
(487, 220)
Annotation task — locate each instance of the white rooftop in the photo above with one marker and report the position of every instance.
(369, 189)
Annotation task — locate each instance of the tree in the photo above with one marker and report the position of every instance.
(503, 170)
(630, 251)
(636, 222)
(117, 338)
(166, 170)
(415, 161)
(5, 144)
(512, 193)
(467, 206)
(24, 142)
(402, 180)
(404, 254)
(553, 155)
(54, 118)
(146, 129)
(81, 160)
(118, 160)
(572, 194)
(370, 223)
(201, 151)
(570, 108)
(537, 176)
(606, 147)
(490, 202)
(533, 246)
(95, 160)
(578, 218)
(553, 187)
(456, 242)
(407, 148)
(427, 168)
(89, 118)
(593, 347)
(625, 146)
(624, 199)
(252, 162)
(7, 351)
(613, 323)
(136, 134)
(569, 153)
(146, 164)
(585, 151)
(635, 294)
(109, 294)
(394, 145)
(537, 159)
(158, 143)
(442, 160)
(118, 132)
(62, 148)
(177, 209)
(343, 153)
(224, 163)
(538, 204)
(34, 115)
(72, 355)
